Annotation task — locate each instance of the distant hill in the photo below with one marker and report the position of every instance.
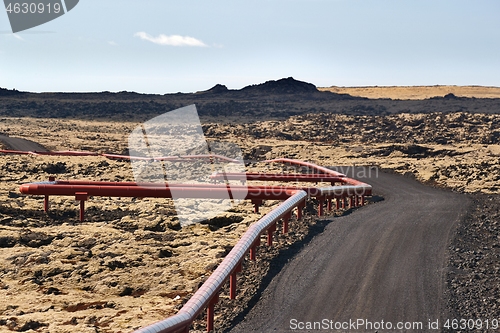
(286, 86)
(282, 86)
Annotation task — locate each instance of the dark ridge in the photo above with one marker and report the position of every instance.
(8, 92)
(282, 86)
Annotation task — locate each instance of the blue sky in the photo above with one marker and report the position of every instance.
(158, 46)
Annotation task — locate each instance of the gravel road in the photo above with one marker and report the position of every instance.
(385, 262)
(21, 144)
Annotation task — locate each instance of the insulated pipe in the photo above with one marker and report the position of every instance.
(204, 294)
(160, 190)
(124, 157)
(64, 153)
(15, 152)
(277, 177)
(172, 158)
(255, 193)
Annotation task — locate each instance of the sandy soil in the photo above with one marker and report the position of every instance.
(130, 264)
(416, 92)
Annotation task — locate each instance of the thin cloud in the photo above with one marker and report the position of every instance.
(173, 40)
(113, 43)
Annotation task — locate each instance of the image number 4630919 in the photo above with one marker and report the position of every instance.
(26, 14)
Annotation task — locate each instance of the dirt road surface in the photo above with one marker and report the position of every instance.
(384, 262)
(21, 144)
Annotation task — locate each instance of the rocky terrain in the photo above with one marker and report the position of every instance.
(474, 275)
(130, 263)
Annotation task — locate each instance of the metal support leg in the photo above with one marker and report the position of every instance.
(46, 203)
(82, 196)
(232, 282)
(321, 203)
(270, 232)
(286, 218)
(299, 210)
(253, 249)
(256, 205)
(210, 312)
(82, 210)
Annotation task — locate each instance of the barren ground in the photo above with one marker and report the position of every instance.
(416, 92)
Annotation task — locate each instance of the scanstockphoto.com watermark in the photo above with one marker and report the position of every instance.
(353, 171)
(357, 325)
(399, 326)
(27, 14)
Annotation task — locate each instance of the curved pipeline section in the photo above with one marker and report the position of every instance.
(210, 289)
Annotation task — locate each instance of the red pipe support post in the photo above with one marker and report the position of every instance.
(270, 231)
(210, 312)
(329, 204)
(46, 203)
(286, 218)
(299, 209)
(232, 281)
(256, 204)
(82, 197)
(321, 202)
(253, 249)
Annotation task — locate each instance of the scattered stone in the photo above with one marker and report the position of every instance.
(165, 253)
(85, 306)
(8, 241)
(31, 325)
(126, 291)
(34, 239)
